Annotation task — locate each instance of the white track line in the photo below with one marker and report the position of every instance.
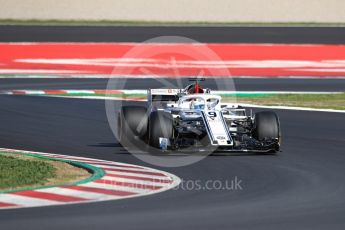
(105, 167)
(292, 108)
(139, 182)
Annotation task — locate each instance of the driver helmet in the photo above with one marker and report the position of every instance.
(195, 88)
(197, 105)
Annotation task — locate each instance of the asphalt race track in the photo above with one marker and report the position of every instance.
(300, 188)
(241, 84)
(298, 35)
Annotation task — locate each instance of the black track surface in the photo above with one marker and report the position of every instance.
(329, 35)
(301, 188)
(241, 84)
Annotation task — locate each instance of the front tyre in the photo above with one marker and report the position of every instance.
(132, 123)
(267, 127)
(161, 125)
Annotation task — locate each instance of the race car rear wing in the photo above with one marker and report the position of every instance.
(196, 79)
(163, 95)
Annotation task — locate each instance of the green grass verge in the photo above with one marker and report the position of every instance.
(318, 101)
(16, 172)
(163, 23)
(19, 171)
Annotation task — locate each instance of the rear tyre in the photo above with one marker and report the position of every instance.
(160, 125)
(132, 124)
(267, 126)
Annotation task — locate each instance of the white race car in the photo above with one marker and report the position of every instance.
(193, 119)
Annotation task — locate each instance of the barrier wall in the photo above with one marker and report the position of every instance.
(329, 11)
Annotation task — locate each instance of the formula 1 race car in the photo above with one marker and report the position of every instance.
(195, 119)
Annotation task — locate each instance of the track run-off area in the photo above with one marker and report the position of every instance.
(95, 60)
